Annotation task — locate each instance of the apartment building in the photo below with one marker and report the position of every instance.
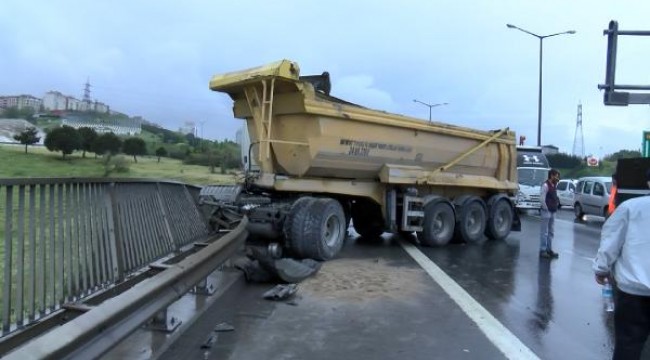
(21, 102)
(54, 100)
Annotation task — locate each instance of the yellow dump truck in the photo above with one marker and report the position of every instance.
(315, 162)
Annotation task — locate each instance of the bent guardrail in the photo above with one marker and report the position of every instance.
(63, 240)
(96, 331)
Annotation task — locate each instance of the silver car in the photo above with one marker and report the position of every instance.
(592, 196)
(566, 190)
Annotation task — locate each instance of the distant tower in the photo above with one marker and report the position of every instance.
(578, 138)
(87, 91)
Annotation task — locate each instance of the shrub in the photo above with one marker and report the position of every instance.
(116, 164)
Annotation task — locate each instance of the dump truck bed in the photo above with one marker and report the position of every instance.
(302, 132)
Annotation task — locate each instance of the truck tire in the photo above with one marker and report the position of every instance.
(500, 219)
(439, 223)
(367, 220)
(294, 222)
(323, 230)
(472, 220)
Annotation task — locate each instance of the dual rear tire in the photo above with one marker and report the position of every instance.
(470, 223)
(315, 228)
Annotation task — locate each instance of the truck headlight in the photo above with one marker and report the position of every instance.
(520, 196)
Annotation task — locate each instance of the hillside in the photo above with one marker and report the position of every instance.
(10, 127)
(39, 162)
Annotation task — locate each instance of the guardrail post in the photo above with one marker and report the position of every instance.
(164, 322)
(204, 287)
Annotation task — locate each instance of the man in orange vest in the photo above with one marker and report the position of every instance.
(612, 196)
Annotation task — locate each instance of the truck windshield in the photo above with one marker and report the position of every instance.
(531, 176)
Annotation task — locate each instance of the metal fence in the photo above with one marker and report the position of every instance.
(64, 239)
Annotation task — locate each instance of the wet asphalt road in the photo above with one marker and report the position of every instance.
(553, 306)
(375, 302)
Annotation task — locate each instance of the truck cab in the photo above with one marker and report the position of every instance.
(532, 171)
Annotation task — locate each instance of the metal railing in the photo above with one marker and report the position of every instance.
(62, 240)
(100, 328)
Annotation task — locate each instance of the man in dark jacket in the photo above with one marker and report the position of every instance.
(550, 203)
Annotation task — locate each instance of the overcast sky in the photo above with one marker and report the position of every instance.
(154, 58)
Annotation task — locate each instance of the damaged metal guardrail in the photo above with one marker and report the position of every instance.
(68, 244)
(95, 332)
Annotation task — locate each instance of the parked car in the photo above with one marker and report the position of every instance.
(566, 190)
(592, 196)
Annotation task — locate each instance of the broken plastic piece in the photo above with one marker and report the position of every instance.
(209, 341)
(224, 327)
(281, 292)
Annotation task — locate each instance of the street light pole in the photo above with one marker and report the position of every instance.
(539, 95)
(429, 106)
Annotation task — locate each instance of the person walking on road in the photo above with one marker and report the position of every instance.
(623, 253)
(550, 203)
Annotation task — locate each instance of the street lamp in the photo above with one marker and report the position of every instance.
(429, 105)
(539, 96)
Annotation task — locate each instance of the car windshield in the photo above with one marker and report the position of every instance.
(608, 185)
(532, 177)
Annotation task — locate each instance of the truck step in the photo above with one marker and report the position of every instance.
(413, 213)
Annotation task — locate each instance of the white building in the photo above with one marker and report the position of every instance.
(54, 100)
(21, 102)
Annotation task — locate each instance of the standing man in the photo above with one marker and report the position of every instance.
(550, 203)
(623, 252)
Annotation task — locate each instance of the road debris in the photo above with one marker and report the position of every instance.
(281, 292)
(224, 327)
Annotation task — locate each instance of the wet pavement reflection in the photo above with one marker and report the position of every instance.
(543, 310)
(553, 306)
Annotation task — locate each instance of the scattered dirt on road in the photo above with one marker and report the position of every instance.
(360, 280)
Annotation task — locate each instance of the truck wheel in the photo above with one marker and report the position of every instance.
(294, 222)
(500, 220)
(323, 229)
(471, 221)
(577, 210)
(367, 220)
(439, 222)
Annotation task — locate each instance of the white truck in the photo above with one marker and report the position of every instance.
(532, 171)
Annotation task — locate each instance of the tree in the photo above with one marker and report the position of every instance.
(134, 146)
(64, 139)
(564, 161)
(623, 154)
(16, 113)
(107, 143)
(28, 137)
(161, 151)
(191, 139)
(88, 137)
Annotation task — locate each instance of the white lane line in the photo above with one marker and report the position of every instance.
(498, 334)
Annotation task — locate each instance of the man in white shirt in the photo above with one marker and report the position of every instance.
(624, 256)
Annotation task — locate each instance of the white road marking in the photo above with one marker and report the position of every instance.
(498, 334)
